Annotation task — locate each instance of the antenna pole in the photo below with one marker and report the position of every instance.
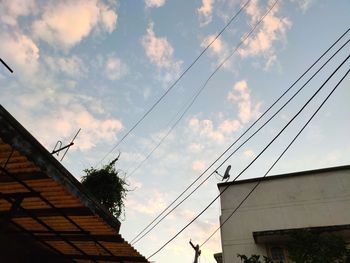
(197, 252)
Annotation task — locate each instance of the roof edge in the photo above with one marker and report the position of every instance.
(287, 175)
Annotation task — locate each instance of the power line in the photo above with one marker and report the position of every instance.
(290, 144)
(244, 142)
(266, 147)
(176, 81)
(199, 91)
(191, 103)
(144, 229)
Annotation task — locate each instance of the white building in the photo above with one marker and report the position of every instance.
(317, 199)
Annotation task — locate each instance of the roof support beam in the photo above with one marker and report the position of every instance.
(23, 176)
(107, 258)
(80, 237)
(48, 212)
(9, 215)
(3, 170)
(46, 226)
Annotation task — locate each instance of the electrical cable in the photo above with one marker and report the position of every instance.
(265, 148)
(261, 178)
(176, 81)
(191, 103)
(199, 91)
(196, 188)
(240, 138)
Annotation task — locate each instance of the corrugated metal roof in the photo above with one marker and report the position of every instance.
(41, 199)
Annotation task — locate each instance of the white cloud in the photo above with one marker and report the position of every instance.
(241, 96)
(115, 68)
(195, 147)
(229, 126)
(151, 206)
(108, 18)
(249, 153)
(12, 9)
(205, 12)
(198, 165)
(20, 52)
(218, 49)
(206, 129)
(64, 122)
(304, 5)
(64, 24)
(272, 31)
(154, 3)
(161, 53)
(72, 66)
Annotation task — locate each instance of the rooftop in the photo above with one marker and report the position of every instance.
(43, 206)
(287, 175)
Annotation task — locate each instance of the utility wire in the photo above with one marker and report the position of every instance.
(199, 91)
(187, 108)
(196, 188)
(266, 147)
(176, 81)
(246, 131)
(261, 179)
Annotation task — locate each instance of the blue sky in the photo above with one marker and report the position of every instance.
(99, 65)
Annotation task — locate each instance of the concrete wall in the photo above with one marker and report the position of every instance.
(298, 201)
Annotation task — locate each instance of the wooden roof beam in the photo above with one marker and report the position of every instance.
(107, 258)
(48, 212)
(23, 176)
(80, 237)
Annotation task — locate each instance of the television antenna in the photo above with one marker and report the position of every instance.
(58, 146)
(226, 175)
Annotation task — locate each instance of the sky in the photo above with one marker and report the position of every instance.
(100, 65)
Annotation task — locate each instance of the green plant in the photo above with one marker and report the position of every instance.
(308, 247)
(254, 259)
(107, 187)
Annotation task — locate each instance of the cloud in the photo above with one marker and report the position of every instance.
(195, 147)
(115, 68)
(272, 31)
(51, 115)
(206, 129)
(241, 96)
(108, 18)
(154, 3)
(151, 206)
(64, 122)
(218, 49)
(12, 9)
(198, 165)
(249, 153)
(161, 53)
(229, 126)
(304, 5)
(205, 12)
(20, 52)
(72, 66)
(64, 24)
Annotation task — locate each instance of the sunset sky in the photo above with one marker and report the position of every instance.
(100, 65)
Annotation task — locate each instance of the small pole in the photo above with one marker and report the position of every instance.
(197, 252)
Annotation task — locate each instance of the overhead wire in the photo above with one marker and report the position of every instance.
(271, 167)
(244, 142)
(258, 156)
(195, 97)
(246, 131)
(176, 81)
(199, 91)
